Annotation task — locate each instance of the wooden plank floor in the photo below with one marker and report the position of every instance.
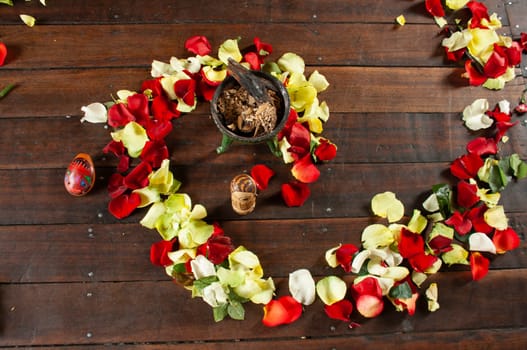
(72, 276)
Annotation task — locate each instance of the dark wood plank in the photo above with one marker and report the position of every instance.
(516, 13)
(427, 90)
(143, 312)
(344, 190)
(491, 339)
(360, 44)
(120, 252)
(122, 11)
(369, 137)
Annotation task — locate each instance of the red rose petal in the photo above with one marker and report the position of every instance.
(291, 120)
(435, 8)
(479, 12)
(368, 286)
(467, 195)
(119, 115)
(138, 105)
(460, 223)
(410, 244)
(325, 150)
(295, 193)
(300, 139)
(502, 127)
(440, 244)
(476, 217)
(466, 166)
(217, 248)
(475, 78)
(198, 45)
(138, 177)
(123, 205)
(253, 59)
(422, 262)
(153, 85)
(262, 49)
(261, 175)
(163, 109)
(116, 186)
(341, 310)
(159, 252)
(158, 129)
(482, 146)
(185, 89)
(154, 153)
(344, 255)
(3, 53)
(206, 90)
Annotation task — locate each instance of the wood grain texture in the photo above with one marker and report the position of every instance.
(120, 252)
(86, 313)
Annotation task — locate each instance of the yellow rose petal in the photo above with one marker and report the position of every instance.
(458, 255)
(495, 217)
(432, 296)
(455, 4)
(386, 205)
(400, 20)
(28, 20)
(331, 289)
(376, 235)
(133, 136)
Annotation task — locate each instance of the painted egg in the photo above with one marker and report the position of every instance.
(80, 175)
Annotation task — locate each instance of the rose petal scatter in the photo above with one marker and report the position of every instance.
(459, 224)
(489, 58)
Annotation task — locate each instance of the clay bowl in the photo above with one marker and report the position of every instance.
(229, 135)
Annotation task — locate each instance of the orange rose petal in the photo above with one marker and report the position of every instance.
(305, 171)
(283, 310)
(506, 240)
(479, 265)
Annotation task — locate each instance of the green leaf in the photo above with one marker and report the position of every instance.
(497, 179)
(236, 311)
(8, 88)
(401, 291)
(518, 166)
(443, 194)
(179, 268)
(219, 312)
(204, 282)
(233, 297)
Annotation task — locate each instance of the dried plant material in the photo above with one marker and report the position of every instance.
(243, 114)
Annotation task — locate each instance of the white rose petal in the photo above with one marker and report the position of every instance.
(302, 286)
(505, 106)
(214, 294)
(474, 115)
(202, 267)
(480, 242)
(94, 113)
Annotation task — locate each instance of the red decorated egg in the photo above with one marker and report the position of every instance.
(80, 175)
